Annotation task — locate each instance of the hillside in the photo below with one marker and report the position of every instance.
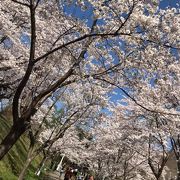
(12, 163)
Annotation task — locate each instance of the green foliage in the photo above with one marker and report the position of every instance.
(13, 162)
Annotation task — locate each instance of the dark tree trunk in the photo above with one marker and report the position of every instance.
(11, 138)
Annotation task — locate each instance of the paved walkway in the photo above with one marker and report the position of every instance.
(53, 176)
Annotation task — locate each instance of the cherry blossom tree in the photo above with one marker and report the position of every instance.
(119, 147)
(78, 105)
(129, 45)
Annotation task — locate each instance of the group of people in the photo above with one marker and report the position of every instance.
(72, 174)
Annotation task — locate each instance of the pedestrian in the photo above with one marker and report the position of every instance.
(68, 174)
(91, 178)
(73, 177)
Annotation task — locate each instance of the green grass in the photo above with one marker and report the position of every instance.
(12, 163)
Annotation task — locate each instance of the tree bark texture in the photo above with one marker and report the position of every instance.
(14, 134)
(29, 159)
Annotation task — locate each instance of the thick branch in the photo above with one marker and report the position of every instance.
(102, 35)
(25, 79)
(3, 39)
(21, 3)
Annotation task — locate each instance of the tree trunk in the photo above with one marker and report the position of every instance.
(11, 138)
(29, 159)
(52, 165)
(41, 165)
(25, 168)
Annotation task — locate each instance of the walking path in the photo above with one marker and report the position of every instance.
(53, 176)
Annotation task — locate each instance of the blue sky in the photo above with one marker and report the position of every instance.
(166, 3)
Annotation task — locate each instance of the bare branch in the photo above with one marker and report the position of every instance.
(21, 3)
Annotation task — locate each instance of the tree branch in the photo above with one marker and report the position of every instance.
(102, 35)
(21, 3)
(128, 16)
(25, 79)
(133, 99)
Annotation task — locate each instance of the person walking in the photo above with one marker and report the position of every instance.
(91, 178)
(68, 174)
